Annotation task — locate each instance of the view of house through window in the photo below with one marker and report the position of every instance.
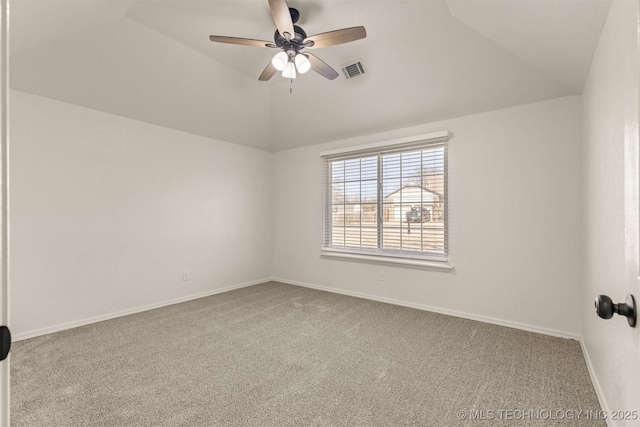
(388, 202)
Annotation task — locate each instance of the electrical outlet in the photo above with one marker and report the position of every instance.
(185, 276)
(380, 275)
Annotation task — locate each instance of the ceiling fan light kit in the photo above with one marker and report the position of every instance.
(302, 63)
(280, 61)
(289, 71)
(291, 40)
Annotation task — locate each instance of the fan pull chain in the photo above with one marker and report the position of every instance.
(291, 85)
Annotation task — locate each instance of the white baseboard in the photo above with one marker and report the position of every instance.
(485, 319)
(102, 318)
(470, 316)
(596, 383)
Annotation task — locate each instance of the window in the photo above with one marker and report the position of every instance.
(388, 201)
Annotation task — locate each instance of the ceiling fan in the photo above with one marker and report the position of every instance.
(291, 40)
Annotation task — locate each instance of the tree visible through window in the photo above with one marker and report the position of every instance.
(389, 202)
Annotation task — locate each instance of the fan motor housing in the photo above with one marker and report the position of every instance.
(297, 39)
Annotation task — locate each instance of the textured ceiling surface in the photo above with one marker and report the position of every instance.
(151, 60)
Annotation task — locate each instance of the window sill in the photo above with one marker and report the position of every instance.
(389, 259)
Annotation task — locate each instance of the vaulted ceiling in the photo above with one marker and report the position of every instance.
(151, 60)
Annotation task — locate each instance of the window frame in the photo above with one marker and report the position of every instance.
(432, 261)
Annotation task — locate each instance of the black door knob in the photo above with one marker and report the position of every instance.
(606, 308)
(5, 342)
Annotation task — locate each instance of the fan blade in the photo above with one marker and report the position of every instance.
(268, 73)
(321, 67)
(282, 17)
(244, 42)
(333, 38)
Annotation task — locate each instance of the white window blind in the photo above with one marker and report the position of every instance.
(388, 201)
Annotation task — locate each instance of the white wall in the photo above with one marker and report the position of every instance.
(515, 200)
(106, 213)
(610, 101)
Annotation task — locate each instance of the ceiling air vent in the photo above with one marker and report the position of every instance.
(352, 70)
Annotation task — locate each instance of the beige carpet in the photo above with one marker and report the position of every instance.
(281, 355)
